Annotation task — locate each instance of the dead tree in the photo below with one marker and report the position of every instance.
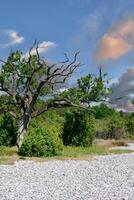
(27, 79)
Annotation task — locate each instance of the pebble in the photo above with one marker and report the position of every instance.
(103, 178)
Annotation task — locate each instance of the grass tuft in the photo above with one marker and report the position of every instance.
(71, 151)
(8, 151)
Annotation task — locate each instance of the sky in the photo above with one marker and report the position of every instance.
(102, 30)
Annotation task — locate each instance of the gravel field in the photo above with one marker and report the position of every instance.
(103, 178)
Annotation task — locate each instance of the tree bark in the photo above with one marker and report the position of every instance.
(23, 129)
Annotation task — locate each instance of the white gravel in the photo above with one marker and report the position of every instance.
(104, 178)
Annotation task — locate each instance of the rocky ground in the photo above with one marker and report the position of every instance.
(103, 178)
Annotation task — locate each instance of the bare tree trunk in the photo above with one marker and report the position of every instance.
(25, 121)
(23, 129)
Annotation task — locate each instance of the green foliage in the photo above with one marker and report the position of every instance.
(17, 64)
(89, 88)
(115, 127)
(4, 138)
(43, 137)
(78, 128)
(102, 111)
(110, 124)
(50, 119)
(130, 125)
(92, 88)
(27, 79)
(111, 127)
(6, 104)
(32, 86)
(8, 131)
(41, 142)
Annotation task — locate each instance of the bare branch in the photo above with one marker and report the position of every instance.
(37, 53)
(55, 77)
(57, 103)
(100, 73)
(40, 112)
(2, 61)
(30, 55)
(4, 110)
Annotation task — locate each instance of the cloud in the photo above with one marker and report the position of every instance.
(112, 48)
(90, 27)
(113, 81)
(9, 38)
(123, 88)
(117, 42)
(42, 47)
(15, 38)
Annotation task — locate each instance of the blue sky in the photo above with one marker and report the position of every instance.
(88, 26)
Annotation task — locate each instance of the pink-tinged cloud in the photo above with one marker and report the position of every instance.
(117, 42)
(112, 48)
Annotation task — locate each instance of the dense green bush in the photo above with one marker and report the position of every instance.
(102, 111)
(111, 127)
(130, 125)
(78, 128)
(43, 138)
(8, 130)
(115, 127)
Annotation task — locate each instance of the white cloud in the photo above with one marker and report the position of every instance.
(9, 38)
(113, 81)
(15, 38)
(42, 47)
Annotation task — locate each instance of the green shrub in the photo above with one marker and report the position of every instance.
(102, 111)
(115, 127)
(8, 131)
(49, 119)
(4, 138)
(41, 141)
(130, 125)
(78, 128)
